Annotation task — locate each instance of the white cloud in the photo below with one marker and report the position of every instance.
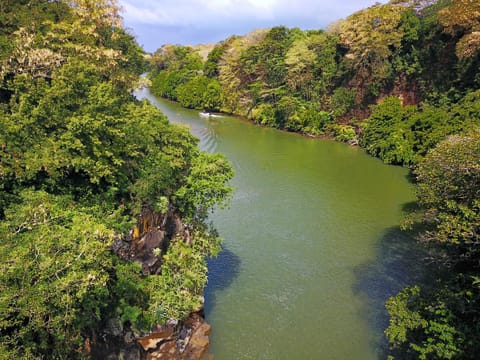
(198, 21)
(192, 12)
(195, 12)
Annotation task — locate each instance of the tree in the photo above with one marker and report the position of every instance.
(342, 101)
(461, 17)
(213, 98)
(370, 35)
(449, 188)
(75, 130)
(61, 30)
(211, 68)
(177, 75)
(56, 276)
(385, 133)
(421, 328)
(191, 94)
(442, 321)
(300, 61)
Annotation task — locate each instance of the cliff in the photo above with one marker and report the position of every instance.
(187, 339)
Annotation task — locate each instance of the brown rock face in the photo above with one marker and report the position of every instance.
(187, 340)
(190, 343)
(150, 239)
(199, 343)
(153, 340)
(166, 351)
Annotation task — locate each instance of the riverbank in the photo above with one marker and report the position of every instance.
(325, 136)
(185, 340)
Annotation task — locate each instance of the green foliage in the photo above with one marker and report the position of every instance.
(131, 296)
(429, 127)
(204, 186)
(403, 134)
(449, 183)
(177, 58)
(264, 114)
(442, 322)
(272, 55)
(179, 288)
(194, 92)
(343, 133)
(385, 132)
(211, 67)
(342, 101)
(82, 130)
(461, 16)
(166, 82)
(371, 35)
(174, 67)
(406, 58)
(79, 159)
(281, 77)
(286, 116)
(326, 64)
(402, 318)
(313, 120)
(311, 64)
(213, 97)
(191, 93)
(421, 330)
(300, 61)
(55, 275)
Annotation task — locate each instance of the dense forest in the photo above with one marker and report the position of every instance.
(402, 80)
(84, 169)
(396, 78)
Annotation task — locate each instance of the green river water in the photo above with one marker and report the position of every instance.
(312, 247)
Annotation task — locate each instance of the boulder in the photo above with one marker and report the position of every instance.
(153, 340)
(166, 351)
(199, 343)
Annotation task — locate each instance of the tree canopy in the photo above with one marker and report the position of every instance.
(81, 162)
(441, 322)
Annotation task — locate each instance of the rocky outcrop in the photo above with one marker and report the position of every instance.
(185, 340)
(190, 343)
(161, 335)
(149, 241)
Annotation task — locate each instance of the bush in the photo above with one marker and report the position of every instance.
(264, 114)
(344, 133)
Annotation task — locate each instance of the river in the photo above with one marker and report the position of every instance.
(312, 247)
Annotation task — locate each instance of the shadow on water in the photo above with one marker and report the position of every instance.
(410, 207)
(400, 262)
(222, 270)
(411, 177)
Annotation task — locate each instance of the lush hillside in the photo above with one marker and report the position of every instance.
(88, 177)
(421, 57)
(403, 81)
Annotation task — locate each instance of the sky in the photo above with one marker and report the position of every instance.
(192, 22)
